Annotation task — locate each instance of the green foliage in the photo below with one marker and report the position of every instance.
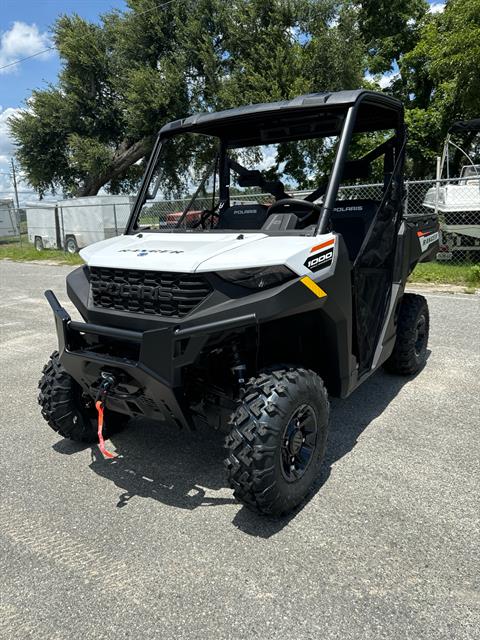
(473, 276)
(441, 80)
(118, 85)
(389, 29)
(123, 78)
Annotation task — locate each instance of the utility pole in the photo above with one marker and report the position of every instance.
(14, 175)
(15, 183)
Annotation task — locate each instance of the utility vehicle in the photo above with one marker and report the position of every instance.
(251, 317)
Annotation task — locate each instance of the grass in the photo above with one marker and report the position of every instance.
(27, 252)
(466, 275)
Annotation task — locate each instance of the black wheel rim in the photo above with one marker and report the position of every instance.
(299, 441)
(420, 335)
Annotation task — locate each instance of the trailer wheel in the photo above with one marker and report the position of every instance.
(71, 245)
(67, 410)
(410, 351)
(277, 440)
(38, 243)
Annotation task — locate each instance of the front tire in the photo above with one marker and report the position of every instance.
(277, 441)
(71, 245)
(67, 410)
(38, 243)
(409, 354)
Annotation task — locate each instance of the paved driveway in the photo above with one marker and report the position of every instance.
(152, 545)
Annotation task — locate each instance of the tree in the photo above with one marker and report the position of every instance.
(441, 80)
(389, 29)
(122, 79)
(120, 82)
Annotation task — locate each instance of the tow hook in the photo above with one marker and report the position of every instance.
(107, 382)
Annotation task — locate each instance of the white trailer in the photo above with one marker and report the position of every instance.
(9, 226)
(75, 223)
(42, 227)
(83, 221)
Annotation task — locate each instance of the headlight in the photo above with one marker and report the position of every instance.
(258, 278)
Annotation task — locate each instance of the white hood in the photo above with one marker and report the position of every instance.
(203, 252)
(182, 252)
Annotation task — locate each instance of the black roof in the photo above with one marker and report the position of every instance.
(465, 125)
(271, 119)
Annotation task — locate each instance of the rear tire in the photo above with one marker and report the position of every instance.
(38, 243)
(277, 440)
(67, 410)
(410, 352)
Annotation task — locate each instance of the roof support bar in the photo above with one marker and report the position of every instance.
(336, 175)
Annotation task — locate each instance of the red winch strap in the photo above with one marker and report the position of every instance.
(101, 442)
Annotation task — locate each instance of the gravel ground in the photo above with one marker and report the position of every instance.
(153, 545)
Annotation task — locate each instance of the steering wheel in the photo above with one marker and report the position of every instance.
(204, 216)
(290, 205)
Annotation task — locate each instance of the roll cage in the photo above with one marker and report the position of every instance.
(312, 116)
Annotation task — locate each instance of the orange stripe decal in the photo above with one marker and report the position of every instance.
(420, 234)
(321, 246)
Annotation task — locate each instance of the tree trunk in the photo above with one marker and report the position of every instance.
(126, 155)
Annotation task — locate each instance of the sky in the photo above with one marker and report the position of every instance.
(25, 29)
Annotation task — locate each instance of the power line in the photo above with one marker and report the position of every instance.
(38, 53)
(158, 6)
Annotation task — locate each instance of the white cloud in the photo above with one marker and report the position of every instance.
(7, 151)
(387, 79)
(437, 7)
(384, 80)
(20, 41)
(6, 142)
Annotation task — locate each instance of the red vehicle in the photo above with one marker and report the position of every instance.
(191, 218)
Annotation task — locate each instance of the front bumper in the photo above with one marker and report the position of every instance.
(149, 375)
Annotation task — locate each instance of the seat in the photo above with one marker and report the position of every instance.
(243, 216)
(280, 222)
(352, 219)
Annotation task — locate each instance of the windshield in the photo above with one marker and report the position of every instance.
(471, 171)
(203, 185)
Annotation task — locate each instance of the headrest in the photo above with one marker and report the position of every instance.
(280, 222)
(243, 216)
(354, 209)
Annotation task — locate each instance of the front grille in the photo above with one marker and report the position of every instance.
(153, 292)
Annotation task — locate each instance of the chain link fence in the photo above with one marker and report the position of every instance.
(456, 202)
(72, 224)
